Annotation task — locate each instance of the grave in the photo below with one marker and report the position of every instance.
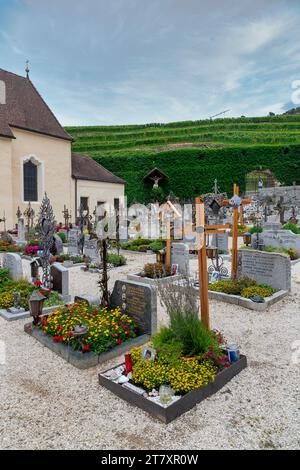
(73, 249)
(220, 240)
(13, 262)
(280, 239)
(60, 280)
(91, 248)
(273, 269)
(139, 301)
(180, 256)
(21, 232)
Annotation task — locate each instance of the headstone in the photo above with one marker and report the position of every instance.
(13, 262)
(91, 248)
(220, 240)
(280, 239)
(139, 301)
(180, 256)
(273, 269)
(271, 225)
(73, 242)
(89, 299)
(21, 232)
(59, 247)
(60, 280)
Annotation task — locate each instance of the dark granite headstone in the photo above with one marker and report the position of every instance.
(139, 301)
(60, 280)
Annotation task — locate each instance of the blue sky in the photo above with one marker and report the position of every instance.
(135, 61)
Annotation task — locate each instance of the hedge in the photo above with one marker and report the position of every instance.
(192, 171)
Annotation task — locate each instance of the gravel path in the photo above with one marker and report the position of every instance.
(45, 403)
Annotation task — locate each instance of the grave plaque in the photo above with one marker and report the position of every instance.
(273, 269)
(60, 280)
(13, 262)
(21, 232)
(139, 301)
(180, 256)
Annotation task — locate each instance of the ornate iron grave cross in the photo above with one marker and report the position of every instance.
(29, 215)
(67, 216)
(46, 226)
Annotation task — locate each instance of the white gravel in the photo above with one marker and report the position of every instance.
(45, 403)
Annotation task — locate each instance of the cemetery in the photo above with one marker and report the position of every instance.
(149, 270)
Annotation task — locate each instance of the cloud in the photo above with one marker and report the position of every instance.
(133, 61)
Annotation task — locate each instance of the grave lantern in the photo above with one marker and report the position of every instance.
(211, 252)
(36, 302)
(247, 238)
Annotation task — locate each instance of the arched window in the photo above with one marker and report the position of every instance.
(30, 172)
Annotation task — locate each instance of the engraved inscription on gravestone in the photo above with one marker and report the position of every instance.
(139, 301)
(273, 269)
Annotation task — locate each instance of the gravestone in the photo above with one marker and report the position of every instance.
(59, 247)
(21, 232)
(139, 301)
(73, 249)
(91, 248)
(271, 225)
(13, 262)
(180, 256)
(60, 280)
(220, 240)
(273, 269)
(280, 239)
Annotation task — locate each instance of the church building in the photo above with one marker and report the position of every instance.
(36, 157)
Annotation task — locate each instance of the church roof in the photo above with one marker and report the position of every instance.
(85, 168)
(24, 108)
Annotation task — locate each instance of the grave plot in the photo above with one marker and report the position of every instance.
(86, 335)
(186, 361)
(263, 279)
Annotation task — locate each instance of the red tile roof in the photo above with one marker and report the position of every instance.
(25, 109)
(85, 168)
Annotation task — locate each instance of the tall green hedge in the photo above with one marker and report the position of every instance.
(192, 171)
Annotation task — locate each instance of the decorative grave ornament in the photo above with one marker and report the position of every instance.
(19, 213)
(67, 216)
(46, 226)
(29, 215)
(36, 302)
(235, 201)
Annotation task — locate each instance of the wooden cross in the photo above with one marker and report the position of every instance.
(201, 231)
(236, 203)
(168, 207)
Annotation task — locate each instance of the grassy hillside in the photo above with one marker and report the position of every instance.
(193, 153)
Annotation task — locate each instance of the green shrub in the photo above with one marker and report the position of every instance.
(156, 245)
(4, 275)
(144, 248)
(62, 236)
(232, 286)
(292, 227)
(293, 253)
(256, 229)
(116, 260)
(263, 291)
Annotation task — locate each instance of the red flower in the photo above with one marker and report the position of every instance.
(57, 338)
(70, 334)
(38, 283)
(86, 347)
(119, 341)
(58, 328)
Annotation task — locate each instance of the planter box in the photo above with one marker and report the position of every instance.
(8, 316)
(153, 282)
(183, 404)
(77, 358)
(247, 303)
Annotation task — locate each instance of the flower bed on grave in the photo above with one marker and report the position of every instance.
(9, 286)
(243, 287)
(183, 365)
(155, 273)
(106, 328)
(109, 333)
(6, 247)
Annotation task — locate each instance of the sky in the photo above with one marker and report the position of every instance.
(99, 62)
